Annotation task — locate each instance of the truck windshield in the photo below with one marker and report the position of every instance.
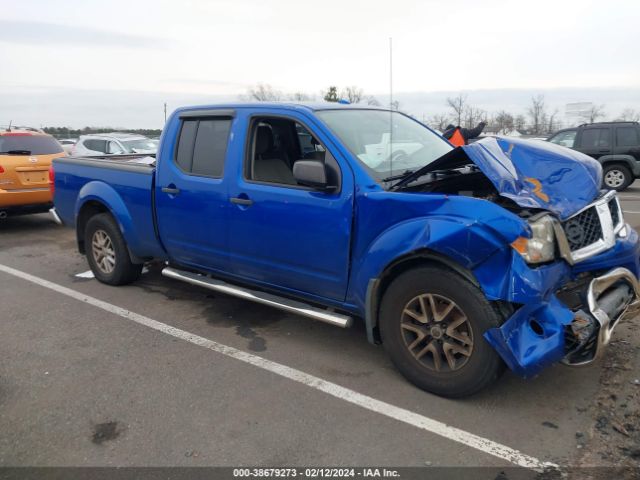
(389, 144)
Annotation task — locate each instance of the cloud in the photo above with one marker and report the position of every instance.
(40, 33)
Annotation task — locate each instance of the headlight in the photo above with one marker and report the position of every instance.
(541, 247)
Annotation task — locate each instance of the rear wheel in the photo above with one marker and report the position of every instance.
(107, 252)
(432, 322)
(616, 177)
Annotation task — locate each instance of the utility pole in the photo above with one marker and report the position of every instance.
(390, 73)
(165, 112)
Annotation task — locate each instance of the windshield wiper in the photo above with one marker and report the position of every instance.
(16, 152)
(398, 177)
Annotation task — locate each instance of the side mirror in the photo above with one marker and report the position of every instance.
(311, 173)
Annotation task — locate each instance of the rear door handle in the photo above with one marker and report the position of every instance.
(241, 201)
(171, 190)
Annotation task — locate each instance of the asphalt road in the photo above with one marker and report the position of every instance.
(83, 386)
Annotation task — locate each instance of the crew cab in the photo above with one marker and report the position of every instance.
(459, 261)
(616, 145)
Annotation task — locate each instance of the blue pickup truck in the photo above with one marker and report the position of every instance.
(459, 261)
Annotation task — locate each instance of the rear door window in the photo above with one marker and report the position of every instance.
(96, 145)
(202, 146)
(595, 138)
(627, 137)
(34, 144)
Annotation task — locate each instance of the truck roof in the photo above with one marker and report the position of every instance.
(304, 106)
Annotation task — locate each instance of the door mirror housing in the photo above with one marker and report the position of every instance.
(311, 173)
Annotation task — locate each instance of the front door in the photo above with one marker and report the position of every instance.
(282, 234)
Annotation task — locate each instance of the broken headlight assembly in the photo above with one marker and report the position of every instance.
(541, 247)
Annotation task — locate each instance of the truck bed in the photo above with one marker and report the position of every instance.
(124, 183)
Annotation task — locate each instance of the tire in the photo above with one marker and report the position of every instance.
(475, 364)
(107, 252)
(616, 177)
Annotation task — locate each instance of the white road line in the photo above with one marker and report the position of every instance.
(388, 410)
(629, 211)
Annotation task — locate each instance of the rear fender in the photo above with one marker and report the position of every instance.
(106, 195)
(627, 160)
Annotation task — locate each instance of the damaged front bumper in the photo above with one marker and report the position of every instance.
(611, 298)
(570, 311)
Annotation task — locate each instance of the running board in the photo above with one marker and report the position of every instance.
(282, 303)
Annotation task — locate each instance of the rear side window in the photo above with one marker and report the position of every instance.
(96, 145)
(34, 144)
(202, 146)
(627, 137)
(595, 138)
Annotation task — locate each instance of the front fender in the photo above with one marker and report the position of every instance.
(464, 241)
(106, 195)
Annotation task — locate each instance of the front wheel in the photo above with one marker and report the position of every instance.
(107, 252)
(616, 177)
(432, 322)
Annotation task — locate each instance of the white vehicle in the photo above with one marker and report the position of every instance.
(67, 144)
(113, 144)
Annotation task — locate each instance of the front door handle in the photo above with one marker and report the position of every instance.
(171, 190)
(241, 201)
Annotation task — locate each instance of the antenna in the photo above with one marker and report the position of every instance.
(390, 106)
(165, 112)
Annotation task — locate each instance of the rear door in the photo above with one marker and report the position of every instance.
(282, 234)
(191, 195)
(595, 141)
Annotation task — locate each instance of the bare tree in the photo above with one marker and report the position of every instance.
(263, 92)
(504, 121)
(595, 112)
(519, 122)
(300, 97)
(353, 94)
(372, 101)
(629, 115)
(553, 123)
(439, 121)
(473, 116)
(458, 105)
(395, 105)
(537, 114)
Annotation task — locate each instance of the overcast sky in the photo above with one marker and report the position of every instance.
(121, 52)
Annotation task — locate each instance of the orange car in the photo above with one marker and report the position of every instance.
(25, 157)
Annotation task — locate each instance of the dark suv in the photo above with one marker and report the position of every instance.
(616, 145)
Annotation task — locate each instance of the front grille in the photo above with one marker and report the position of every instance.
(615, 213)
(583, 229)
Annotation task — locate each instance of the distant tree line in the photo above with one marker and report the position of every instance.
(67, 132)
(536, 120)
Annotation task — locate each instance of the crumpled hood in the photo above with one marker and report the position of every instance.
(538, 174)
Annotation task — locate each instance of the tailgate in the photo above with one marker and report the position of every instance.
(25, 171)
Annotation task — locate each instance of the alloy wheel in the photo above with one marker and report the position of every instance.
(614, 178)
(103, 252)
(437, 332)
